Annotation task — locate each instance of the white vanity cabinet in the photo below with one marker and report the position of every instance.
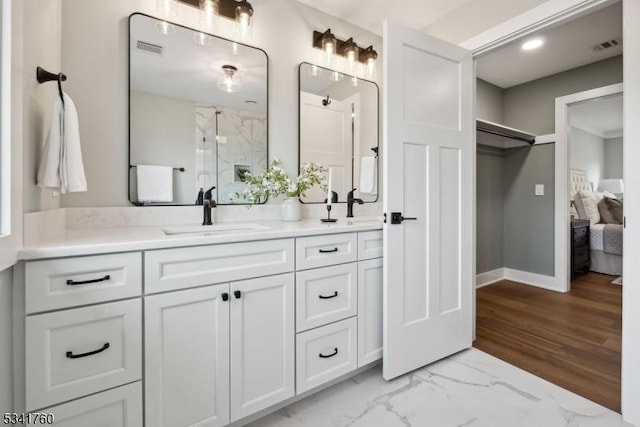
(212, 334)
(218, 353)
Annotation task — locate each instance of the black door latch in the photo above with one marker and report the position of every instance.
(397, 218)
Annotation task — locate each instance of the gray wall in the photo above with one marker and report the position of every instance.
(529, 219)
(586, 152)
(489, 209)
(613, 158)
(531, 106)
(6, 357)
(489, 101)
(489, 184)
(529, 230)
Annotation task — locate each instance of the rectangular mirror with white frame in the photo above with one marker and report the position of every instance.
(198, 114)
(338, 117)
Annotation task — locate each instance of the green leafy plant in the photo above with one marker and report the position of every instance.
(274, 182)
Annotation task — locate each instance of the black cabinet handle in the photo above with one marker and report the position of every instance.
(70, 354)
(328, 251)
(237, 294)
(335, 294)
(225, 296)
(86, 282)
(397, 218)
(335, 352)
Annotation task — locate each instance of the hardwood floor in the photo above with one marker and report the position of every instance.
(572, 340)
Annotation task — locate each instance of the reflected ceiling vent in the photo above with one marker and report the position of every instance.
(151, 48)
(608, 44)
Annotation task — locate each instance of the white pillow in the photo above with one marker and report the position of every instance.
(587, 206)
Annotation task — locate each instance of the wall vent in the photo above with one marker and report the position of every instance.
(608, 44)
(151, 48)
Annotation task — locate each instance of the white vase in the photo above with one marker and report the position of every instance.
(291, 210)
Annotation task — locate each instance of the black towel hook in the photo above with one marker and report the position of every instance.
(44, 76)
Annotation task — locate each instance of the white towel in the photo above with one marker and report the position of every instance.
(61, 166)
(155, 183)
(368, 175)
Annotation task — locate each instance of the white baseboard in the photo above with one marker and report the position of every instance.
(524, 277)
(489, 277)
(532, 279)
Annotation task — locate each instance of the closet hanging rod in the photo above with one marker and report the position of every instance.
(45, 76)
(175, 169)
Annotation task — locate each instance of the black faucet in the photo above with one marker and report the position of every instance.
(208, 204)
(350, 201)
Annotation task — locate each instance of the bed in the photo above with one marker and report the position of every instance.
(605, 239)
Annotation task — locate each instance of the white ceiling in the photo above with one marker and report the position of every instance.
(567, 46)
(189, 71)
(600, 116)
(369, 14)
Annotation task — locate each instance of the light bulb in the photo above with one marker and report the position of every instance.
(371, 67)
(244, 12)
(209, 9)
(229, 80)
(328, 43)
(350, 51)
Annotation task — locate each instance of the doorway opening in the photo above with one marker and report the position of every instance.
(531, 316)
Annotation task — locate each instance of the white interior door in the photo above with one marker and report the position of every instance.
(326, 132)
(428, 175)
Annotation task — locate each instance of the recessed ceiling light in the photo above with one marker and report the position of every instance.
(532, 44)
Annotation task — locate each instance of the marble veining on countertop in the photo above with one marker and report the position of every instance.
(76, 242)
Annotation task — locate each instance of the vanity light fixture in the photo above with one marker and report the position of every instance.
(229, 80)
(239, 11)
(347, 49)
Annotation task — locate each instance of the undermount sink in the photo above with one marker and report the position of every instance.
(208, 229)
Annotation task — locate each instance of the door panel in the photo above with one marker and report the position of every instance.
(428, 170)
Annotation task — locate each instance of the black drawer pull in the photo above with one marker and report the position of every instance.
(335, 352)
(328, 251)
(237, 294)
(70, 354)
(86, 282)
(335, 294)
(225, 296)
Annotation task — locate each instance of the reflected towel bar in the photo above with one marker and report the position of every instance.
(175, 169)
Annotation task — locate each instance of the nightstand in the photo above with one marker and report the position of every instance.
(580, 250)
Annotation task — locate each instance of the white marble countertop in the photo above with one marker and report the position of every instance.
(75, 242)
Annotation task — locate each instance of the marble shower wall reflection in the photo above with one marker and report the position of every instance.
(237, 139)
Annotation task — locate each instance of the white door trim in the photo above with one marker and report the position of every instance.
(562, 247)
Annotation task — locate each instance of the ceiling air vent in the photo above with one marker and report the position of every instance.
(151, 48)
(608, 44)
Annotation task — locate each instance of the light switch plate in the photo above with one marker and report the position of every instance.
(539, 189)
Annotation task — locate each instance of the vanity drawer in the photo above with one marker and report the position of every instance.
(321, 251)
(120, 407)
(325, 353)
(370, 245)
(325, 295)
(69, 282)
(81, 351)
(181, 268)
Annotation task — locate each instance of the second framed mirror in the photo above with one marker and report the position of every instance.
(339, 129)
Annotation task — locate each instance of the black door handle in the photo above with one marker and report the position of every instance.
(323, 356)
(225, 296)
(237, 294)
(397, 218)
(86, 282)
(328, 251)
(70, 354)
(335, 294)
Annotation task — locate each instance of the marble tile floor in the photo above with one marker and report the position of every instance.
(470, 388)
